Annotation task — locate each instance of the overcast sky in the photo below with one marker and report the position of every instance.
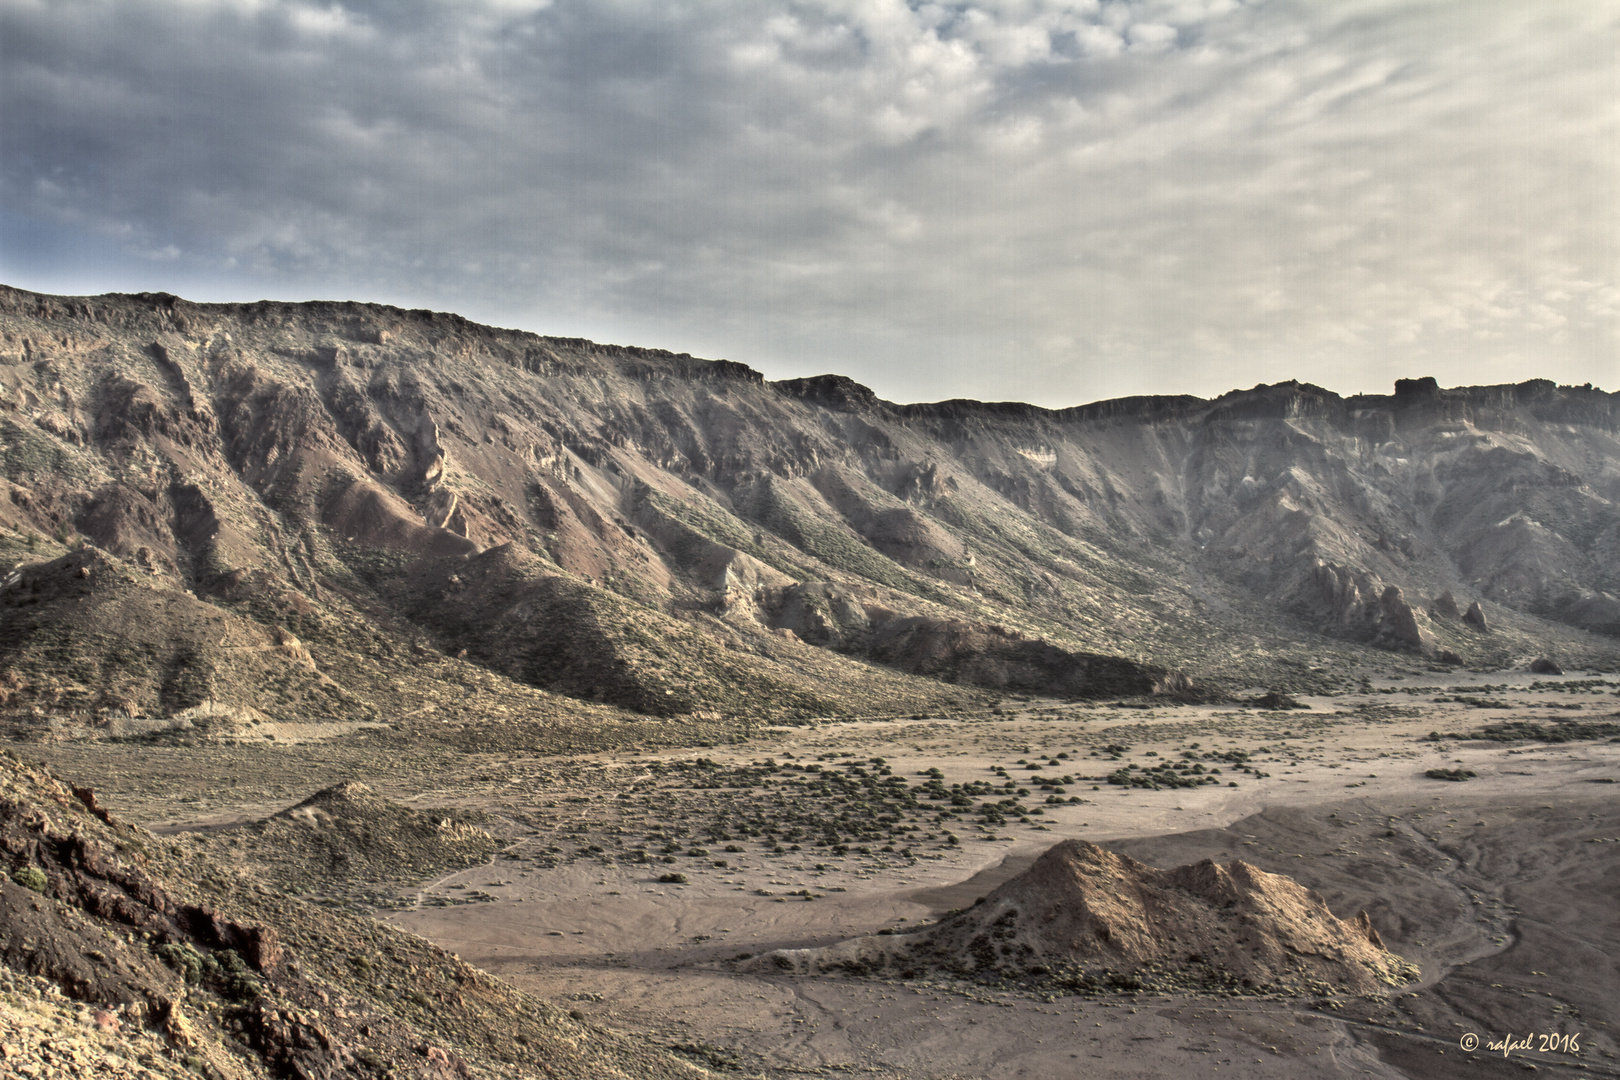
(1048, 200)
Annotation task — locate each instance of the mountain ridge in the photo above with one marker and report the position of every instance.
(171, 312)
(353, 488)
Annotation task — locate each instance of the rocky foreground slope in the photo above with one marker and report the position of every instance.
(245, 515)
(123, 954)
(1084, 918)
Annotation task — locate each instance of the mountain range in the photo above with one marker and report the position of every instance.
(229, 519)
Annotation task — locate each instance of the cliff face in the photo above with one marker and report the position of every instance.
(304, 484)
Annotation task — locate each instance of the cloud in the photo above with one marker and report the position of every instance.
(1008, 198)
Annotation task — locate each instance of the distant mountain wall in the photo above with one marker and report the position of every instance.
(679, 536)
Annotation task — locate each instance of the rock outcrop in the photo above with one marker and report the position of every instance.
(1445, 606)
(1347, 594)
(1398, 622)
(179, 961)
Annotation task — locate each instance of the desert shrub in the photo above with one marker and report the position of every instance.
(1450, 774)
(236, 980)
(30, 877)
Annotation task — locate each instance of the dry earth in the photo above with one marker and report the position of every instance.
(554, 604)
(1499, 888)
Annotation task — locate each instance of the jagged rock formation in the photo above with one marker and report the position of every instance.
(340, 490)
(196, 971)
(1398, 622)
(1085, 918)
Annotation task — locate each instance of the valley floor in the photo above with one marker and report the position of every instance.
(1500, 888)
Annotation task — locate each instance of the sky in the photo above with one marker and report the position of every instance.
(1054, 201)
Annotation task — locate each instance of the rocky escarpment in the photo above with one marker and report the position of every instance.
(179, 964)
(681, 538)
(1083, 918)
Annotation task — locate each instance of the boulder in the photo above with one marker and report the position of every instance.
(1397, 619)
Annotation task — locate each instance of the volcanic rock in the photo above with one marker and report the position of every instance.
(626, 527)
(1445, 606)
(1475, 617)
(1086, 918)
(1345, 592)
(1398, 621)
(193, 970)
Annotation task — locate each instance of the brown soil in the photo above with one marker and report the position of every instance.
(1084, 918)
(561, 593)
(239, 981)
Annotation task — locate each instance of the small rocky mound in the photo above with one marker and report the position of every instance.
(1276, 702)
(1543, 666)
(1085, 919)
(347, 837)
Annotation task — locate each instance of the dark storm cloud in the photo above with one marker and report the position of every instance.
(1049, 199)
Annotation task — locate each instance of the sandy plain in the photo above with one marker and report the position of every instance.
(1501, 888)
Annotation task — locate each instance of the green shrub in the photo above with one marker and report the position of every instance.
(30, 877)
(192, 965)
(1450, 774)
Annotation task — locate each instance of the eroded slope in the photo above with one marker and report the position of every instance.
(348, 490)
(185, 965)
